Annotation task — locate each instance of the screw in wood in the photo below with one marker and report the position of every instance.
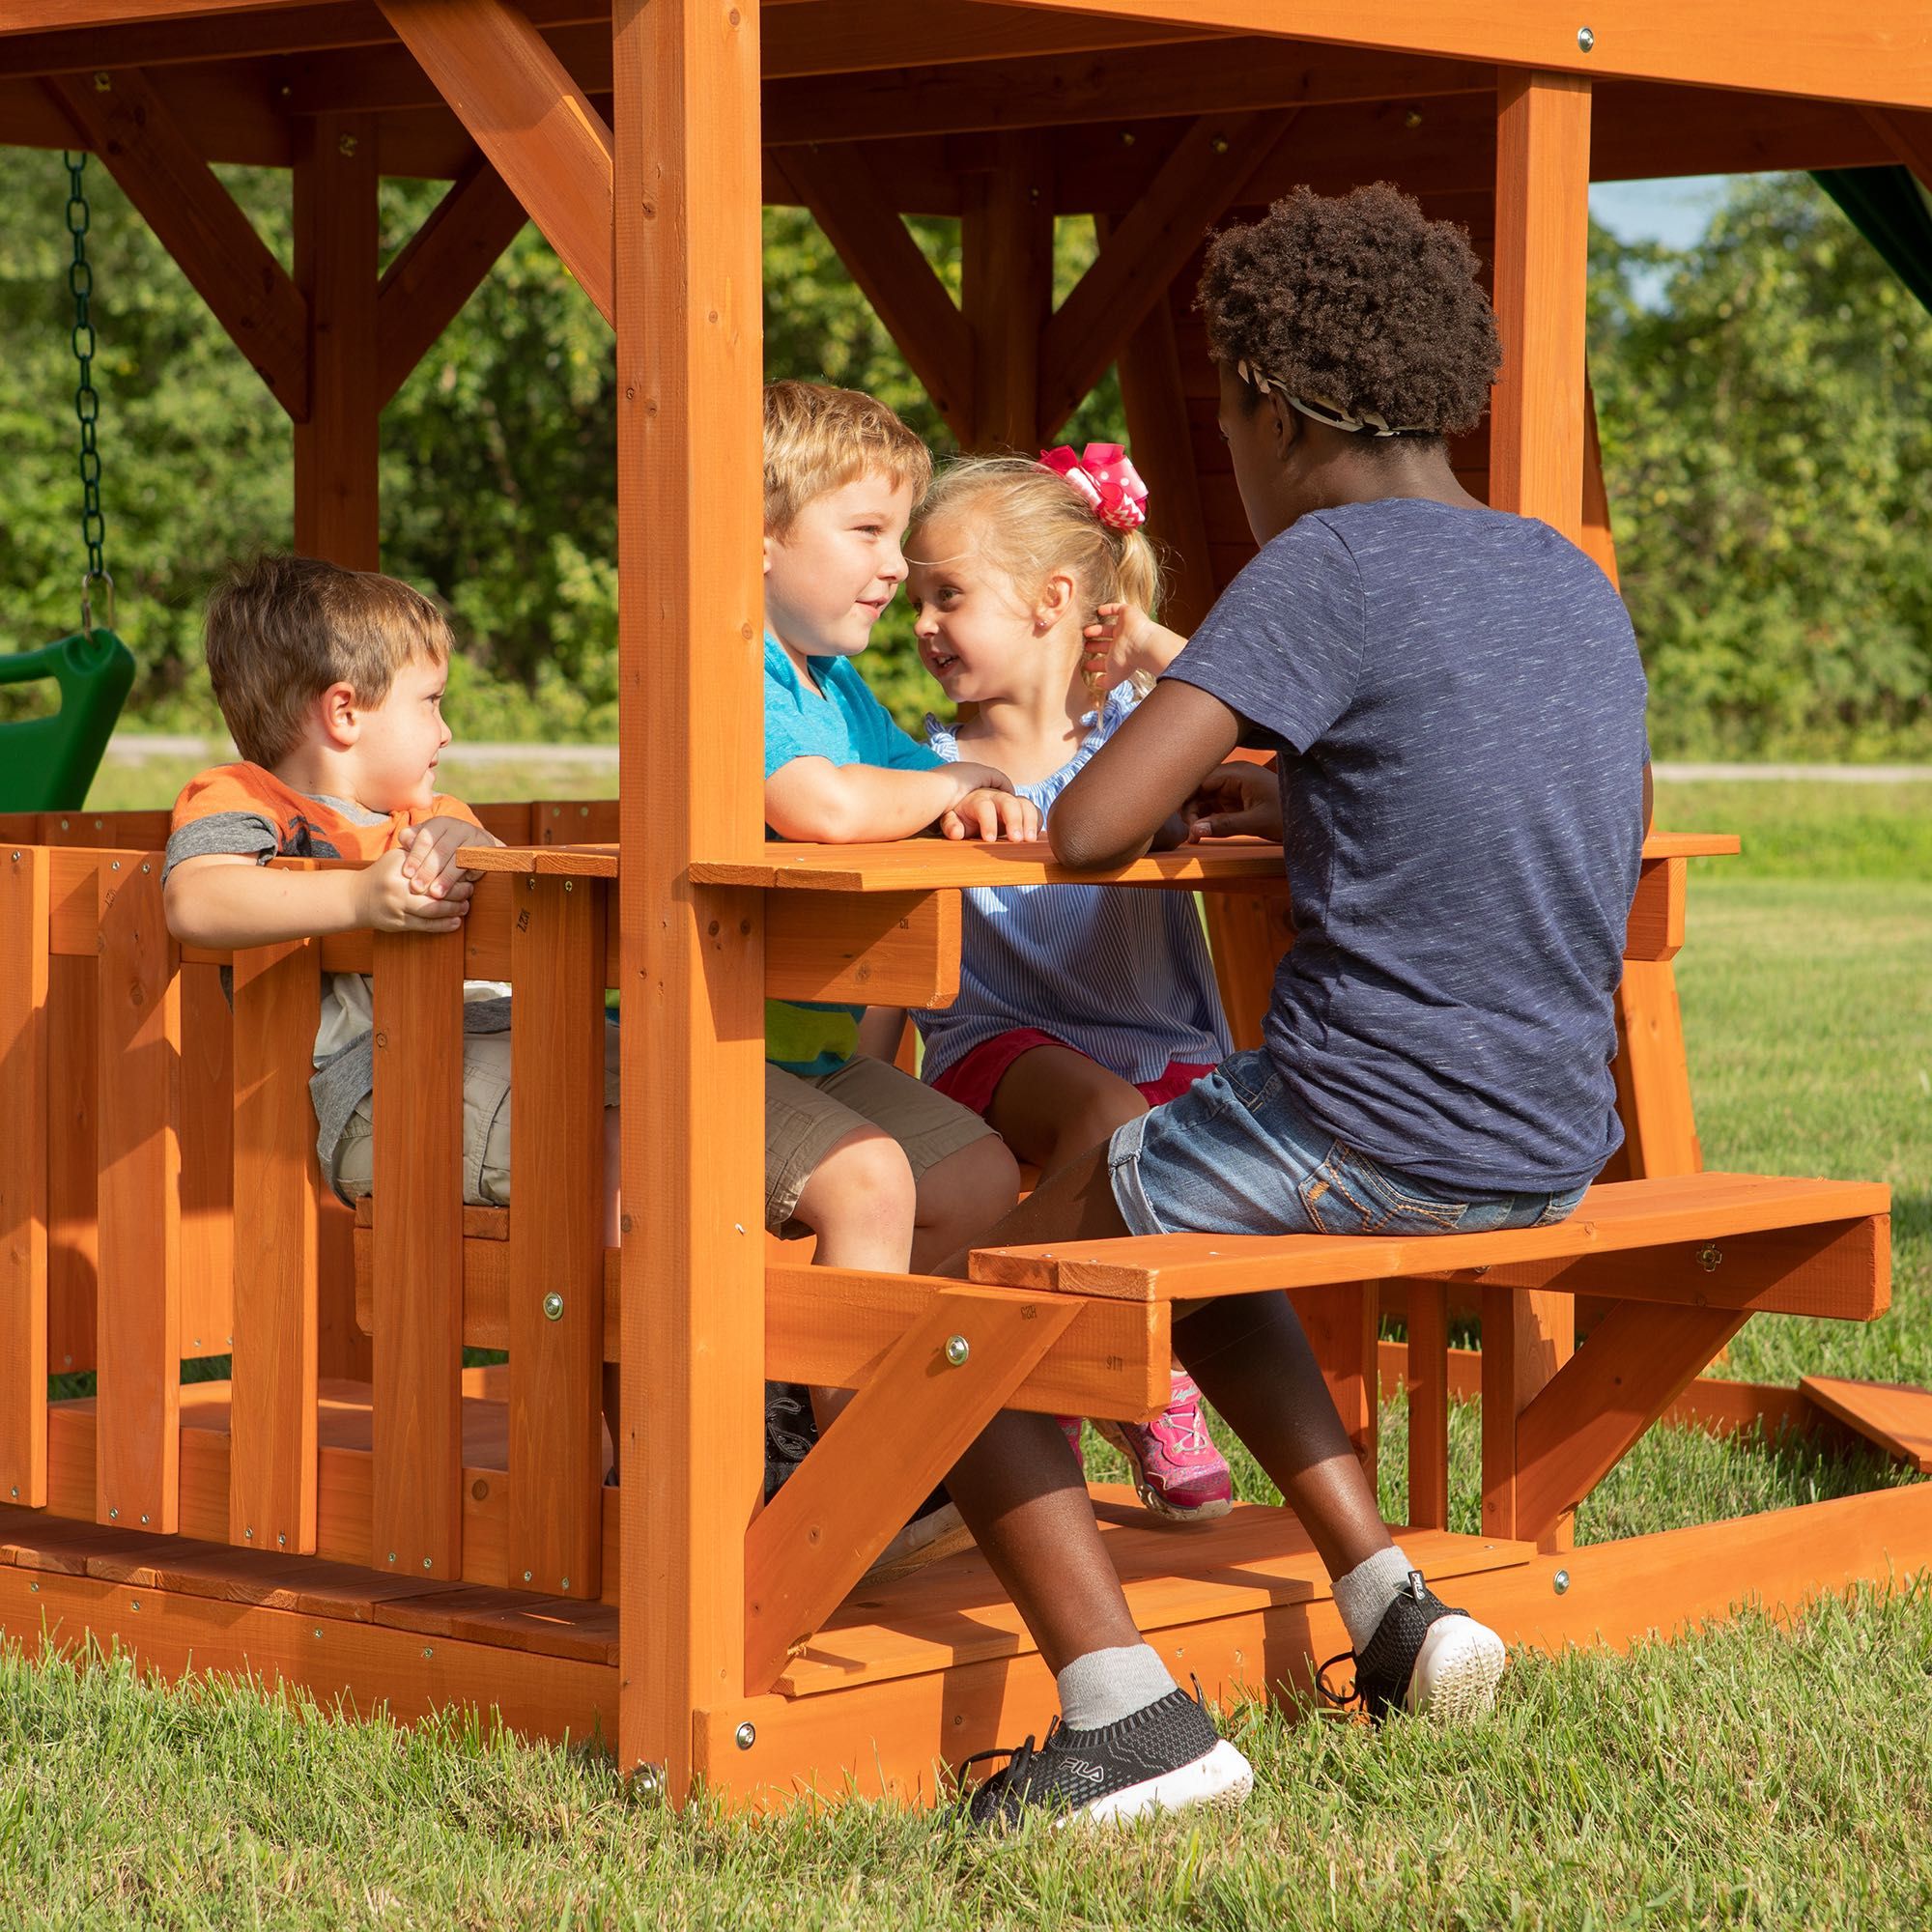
(747, 1735)
(114, 1516)
(958, 1350)
(1585, 38)
(103, 83)
(553, 1307)
(1560, 1582)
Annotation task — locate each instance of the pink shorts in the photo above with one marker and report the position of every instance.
(974, 1080)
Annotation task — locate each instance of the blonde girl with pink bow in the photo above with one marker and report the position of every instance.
(1080, 1007)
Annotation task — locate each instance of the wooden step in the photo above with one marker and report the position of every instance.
(1895, 1415)
(956, 1612)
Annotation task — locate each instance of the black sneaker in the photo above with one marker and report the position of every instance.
(1425, 1658)
(1164, 1758)
(790, 1431)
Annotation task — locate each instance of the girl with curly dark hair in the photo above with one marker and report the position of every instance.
(1457, 707)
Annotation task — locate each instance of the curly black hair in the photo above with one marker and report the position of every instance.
(1359, 300)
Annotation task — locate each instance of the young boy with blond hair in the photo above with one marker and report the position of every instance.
(330, 682)
(885, 1172)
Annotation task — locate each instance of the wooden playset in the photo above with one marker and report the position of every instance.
(353, 1510)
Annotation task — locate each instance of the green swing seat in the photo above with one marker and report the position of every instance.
(46, 765)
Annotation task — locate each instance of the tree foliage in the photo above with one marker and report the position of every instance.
(1765, 435)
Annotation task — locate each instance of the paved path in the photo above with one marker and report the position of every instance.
(132, 747)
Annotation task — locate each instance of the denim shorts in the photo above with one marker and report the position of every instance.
(1234, 1156)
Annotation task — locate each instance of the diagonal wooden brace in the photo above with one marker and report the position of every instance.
(524, 110)
(875, 1465)
(1638, 1359)
(161, 172)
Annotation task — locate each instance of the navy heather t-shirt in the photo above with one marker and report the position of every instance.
(1458, 706)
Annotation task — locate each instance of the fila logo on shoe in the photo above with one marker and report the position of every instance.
(1091, 1773)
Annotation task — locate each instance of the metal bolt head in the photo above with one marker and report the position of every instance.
(1412, 120)
(1585, 40)
(1560, 1582)
(144, 1516)
(747, 1735)
(347, 145)
(648, 1779)
(428, 1563)
(553, 1306)
(250, 1534)
(958, 1350)
(114, 1516)
(103, 83)
(1220, 144)
(570, 884)
(526, 1576)
(1710, 1258)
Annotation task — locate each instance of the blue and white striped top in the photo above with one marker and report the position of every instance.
(1123, 976)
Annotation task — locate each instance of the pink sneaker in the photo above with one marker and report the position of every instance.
(1177, 1469)
(1071, 1428)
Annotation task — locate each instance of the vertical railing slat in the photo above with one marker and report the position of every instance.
(23, 1176)
(208, 1163)
(1428, 1405)
(137, 1432)
(556, 1236)
(416, 1524)
(272, 1456)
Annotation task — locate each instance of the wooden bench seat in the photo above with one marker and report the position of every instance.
(1710, 1241)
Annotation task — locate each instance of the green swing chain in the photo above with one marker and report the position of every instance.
(86, 400)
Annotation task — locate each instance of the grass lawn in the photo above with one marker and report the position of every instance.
(1751, 1776)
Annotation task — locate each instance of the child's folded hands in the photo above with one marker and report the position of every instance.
(388, 901)
(430, 863)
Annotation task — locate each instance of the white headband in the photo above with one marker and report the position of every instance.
(1366, 422)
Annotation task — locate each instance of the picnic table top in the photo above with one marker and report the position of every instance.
(924, 864)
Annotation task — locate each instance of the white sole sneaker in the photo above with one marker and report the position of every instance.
(1224, 1776)
(922, 1540)
(1457, 1670)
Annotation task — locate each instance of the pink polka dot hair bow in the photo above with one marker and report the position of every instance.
(1105, 474)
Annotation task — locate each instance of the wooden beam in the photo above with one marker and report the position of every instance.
(523, 110)
(1219, 76)
(1149, 364)
(912, 304)
(1198, 182)
(160, 171)
(802, 37)
(1007, 263)
(919, 1411)
(439, 269)
(337, 249)
(1542, 218)
(690, 617)
(1909, 136)
(1882, 54)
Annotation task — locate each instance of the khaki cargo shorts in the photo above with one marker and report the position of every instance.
(486, 1125)
(805, 1119)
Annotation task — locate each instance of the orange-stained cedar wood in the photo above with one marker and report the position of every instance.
(522, 107)
(556, 1236)
(160, 169)
(690, 628)
(23, 1176)
(1428, 1379)
(1536, 469)
(439, 269)
(273, 1469)
(137, 1445)
(417, 1525)
(1007, 289)
(1143, 254)
(914, 1418)
(336, 255)
(856, 212)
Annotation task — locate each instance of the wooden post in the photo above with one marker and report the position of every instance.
(23, 1176)
(338, 503)
(691, 628)
(1007, 291)
(1536, 469)
(337, 509)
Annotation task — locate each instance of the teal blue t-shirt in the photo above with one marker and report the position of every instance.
(845, 725)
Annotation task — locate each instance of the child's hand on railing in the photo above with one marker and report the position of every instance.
(991, 813)
(1235, 800)
(389, 901)
(431, 850)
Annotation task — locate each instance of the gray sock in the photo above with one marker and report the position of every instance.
(1363, 1596)
(1105, 1686)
